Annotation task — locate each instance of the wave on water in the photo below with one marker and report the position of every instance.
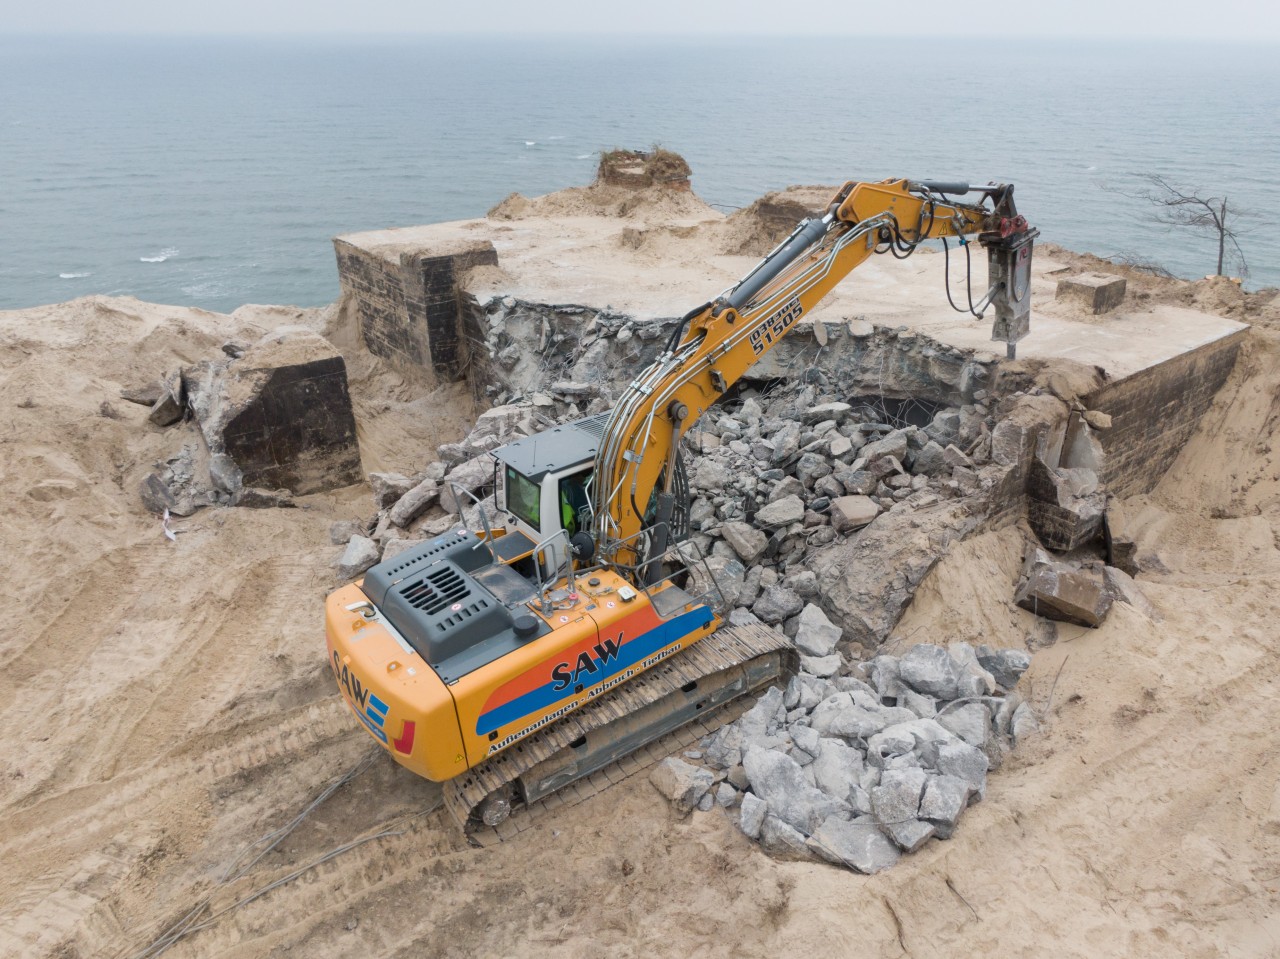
(159, 257)
(584, 156)
(531, 143)
(73, 276)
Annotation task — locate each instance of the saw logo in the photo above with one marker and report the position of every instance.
(566, 675)
(371, 710)
(774, 326)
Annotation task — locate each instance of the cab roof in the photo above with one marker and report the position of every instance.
(559, 448)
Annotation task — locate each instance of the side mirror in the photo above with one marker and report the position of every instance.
(583, 546)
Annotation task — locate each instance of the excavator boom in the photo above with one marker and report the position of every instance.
(720, 341)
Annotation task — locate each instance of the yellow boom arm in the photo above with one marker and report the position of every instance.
(720, 341)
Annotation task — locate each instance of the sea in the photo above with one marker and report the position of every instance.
(213, 172)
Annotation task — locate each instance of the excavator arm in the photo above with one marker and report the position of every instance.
(717, 343)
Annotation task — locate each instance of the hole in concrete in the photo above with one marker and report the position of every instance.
(898, 413)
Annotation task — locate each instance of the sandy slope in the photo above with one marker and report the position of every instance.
(164, 704)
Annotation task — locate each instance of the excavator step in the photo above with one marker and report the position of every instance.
(667, 708)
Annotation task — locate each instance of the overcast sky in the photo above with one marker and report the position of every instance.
(1236, 20)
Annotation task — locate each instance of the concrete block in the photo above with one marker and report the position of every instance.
(858, 844)
(852, 512)
(1057, 591)
(1096, 292)
(683, 784)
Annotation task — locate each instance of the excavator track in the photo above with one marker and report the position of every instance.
(668, 707)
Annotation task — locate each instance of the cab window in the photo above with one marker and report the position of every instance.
(523, 498)
(575, 499)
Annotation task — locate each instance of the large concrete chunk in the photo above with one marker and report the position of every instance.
(777, 603)
(779, 781)
(782, 513)
(1123, 589)
(783, 839)
(1005, 665)
(852, 512)
(471, 477)
(1096, 292)
(815, 634)
(747, 541)
(360, 554)
(896, 805)
(965, 762)
(837, 769)
(415, 502)
(1057, 591)
(751, 816)
(930, 670)
(681, 783)
(945, 798)
(279, 417)
(857, 844)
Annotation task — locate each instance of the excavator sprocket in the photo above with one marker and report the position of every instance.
(666, 708)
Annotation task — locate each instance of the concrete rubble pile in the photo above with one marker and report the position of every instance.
(272, 420)
(817, 507)
(858, 769)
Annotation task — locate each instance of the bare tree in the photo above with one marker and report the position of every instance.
(1178, 207)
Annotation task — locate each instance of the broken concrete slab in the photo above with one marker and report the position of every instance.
(837, 768)
(170, 404)
(777, 603)
(970, 721)
(146, 395)
(1006, 666)
(781, 513)
(821, 666)
(388, 488)
(752, 814)
(472, 476)
(782, 840)
(959, 759)
(156, 495)
(251, 497)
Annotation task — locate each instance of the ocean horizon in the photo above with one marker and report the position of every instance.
(213, 172)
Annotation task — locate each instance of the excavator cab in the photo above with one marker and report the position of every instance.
(544, 494)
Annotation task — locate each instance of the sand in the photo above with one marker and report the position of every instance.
(166, 704)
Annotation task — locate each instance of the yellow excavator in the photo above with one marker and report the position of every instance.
(553, 646)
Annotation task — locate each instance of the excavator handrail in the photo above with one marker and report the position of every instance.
(458, 493)
(571, 583)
